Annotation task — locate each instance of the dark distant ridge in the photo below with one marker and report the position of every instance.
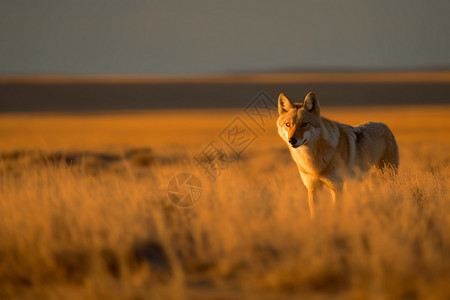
(71, 93)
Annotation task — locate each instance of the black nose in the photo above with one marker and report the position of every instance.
(292, 141)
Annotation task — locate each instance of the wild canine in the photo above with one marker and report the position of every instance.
(326, 151)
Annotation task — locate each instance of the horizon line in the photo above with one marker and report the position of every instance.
(229, 78)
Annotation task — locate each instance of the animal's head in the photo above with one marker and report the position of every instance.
(298, 123)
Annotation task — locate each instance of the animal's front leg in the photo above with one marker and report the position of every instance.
(336, 193)
(312, 184)
(311, 196)
(333, 197)
(334, 183)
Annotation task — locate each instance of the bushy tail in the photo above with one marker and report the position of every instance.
(391, 157)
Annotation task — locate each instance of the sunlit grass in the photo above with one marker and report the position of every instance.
(86, 215)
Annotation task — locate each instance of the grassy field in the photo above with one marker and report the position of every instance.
(85, 213)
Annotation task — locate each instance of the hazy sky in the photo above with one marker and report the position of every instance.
(201, 37)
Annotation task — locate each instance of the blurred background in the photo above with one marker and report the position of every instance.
(127, 55)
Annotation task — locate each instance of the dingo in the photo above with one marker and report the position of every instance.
(326, 151)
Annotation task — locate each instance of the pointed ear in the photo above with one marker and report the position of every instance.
(311, 103)
(284, 104)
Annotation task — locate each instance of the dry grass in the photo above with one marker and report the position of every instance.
(85, 214)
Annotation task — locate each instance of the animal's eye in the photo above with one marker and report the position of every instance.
(287, 124)
(304, 124)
